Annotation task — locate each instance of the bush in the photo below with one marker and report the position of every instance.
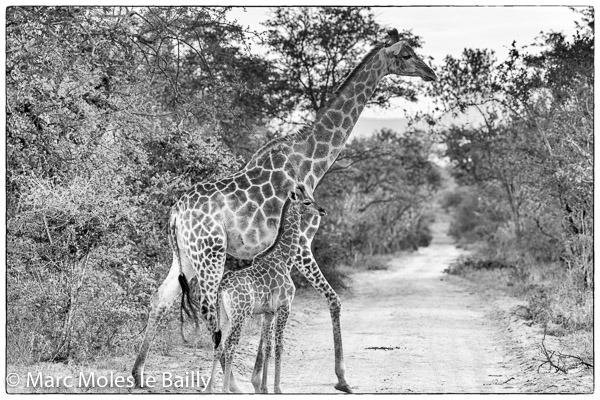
(72, 288)
(555, 299)
(374, 263)
(464, 266)
(469, 223)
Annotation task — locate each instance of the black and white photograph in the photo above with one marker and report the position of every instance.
(296, 198)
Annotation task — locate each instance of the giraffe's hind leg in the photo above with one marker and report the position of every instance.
(160, 303)
(209, 264)
(309, 268)
(219, 356)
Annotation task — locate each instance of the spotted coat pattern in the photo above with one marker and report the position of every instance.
(264, 288)
(239, 214)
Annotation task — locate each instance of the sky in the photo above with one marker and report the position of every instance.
(447, 30)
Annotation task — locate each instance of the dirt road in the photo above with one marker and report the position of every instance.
(407, 329)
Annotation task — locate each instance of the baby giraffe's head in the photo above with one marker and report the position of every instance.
(307, 204)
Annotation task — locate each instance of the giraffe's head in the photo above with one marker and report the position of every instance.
(300, 196)
(402, 59)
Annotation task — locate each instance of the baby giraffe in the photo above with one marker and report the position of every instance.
(264, 288)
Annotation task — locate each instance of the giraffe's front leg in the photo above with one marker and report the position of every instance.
(233, 338)
(282, 317)
(308, 267)
(266, 340)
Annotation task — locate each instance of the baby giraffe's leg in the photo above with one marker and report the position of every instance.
(282, 317)
(230, 346)
(233, 383)
(258, 364)
(267, 335)
(219, 353)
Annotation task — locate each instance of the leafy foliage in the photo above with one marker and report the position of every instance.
(316, 47)
(525, 166)
(533, 148)
(378, 191)
(112, 112)
(97, 151)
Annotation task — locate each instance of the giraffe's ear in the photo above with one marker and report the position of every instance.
(293, 195)
(394, 49)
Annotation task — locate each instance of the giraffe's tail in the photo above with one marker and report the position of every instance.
(217, 336)
(192, 306)
(188, 305)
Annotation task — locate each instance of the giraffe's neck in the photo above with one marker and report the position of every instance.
(317, 148)
(287, 234)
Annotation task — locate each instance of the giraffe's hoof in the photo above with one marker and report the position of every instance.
(137, 379)
(235, 389)
(343, 387)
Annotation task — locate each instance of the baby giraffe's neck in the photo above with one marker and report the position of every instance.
(286, 242)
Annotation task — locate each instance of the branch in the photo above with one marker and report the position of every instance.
(47, 230)
(560, 364)
(542, 230)
(378, 201)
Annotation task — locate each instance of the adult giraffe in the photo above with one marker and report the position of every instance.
(240, 214)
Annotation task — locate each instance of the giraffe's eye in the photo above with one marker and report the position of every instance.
(307, 203)
(406, 56)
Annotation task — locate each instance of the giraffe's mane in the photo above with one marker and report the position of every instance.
(353, 74)
(306, 130)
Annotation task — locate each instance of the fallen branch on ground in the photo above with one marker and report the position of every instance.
(556, 359)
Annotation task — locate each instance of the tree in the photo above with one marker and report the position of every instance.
(211, 78)
(533, 140)
(314, 48)
(378, 191)
(107, 123)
